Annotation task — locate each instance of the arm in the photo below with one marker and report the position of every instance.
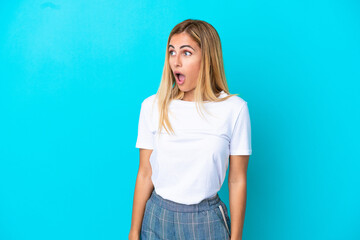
(143, 189)
(237, 193)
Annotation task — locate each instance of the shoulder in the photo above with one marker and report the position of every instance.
(149, 100)
(148, 104)
(236, 103)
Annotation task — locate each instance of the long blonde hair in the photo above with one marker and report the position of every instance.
(211, 80)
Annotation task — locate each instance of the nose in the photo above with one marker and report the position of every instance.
(177, 61)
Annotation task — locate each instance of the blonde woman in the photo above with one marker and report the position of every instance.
(187, 133)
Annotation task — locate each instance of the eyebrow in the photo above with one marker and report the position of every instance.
(182, 46)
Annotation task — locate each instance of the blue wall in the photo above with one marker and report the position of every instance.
(73, 76)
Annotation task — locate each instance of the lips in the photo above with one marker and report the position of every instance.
(180, 78)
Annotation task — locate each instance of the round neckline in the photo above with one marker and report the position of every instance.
(193, 102)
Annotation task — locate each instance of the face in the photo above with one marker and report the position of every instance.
(185, 58)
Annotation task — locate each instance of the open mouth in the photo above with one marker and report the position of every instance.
(180, 78)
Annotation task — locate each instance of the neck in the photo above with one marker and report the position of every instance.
(189, 97)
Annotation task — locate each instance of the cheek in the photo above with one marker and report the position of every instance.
(195, 68)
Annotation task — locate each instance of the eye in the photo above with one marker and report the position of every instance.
(188, 52)
(170, 52)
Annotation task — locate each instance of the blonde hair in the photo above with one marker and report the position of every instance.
(211, 80)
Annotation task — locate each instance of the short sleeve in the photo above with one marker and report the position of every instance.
(145, 135)
(240, 143)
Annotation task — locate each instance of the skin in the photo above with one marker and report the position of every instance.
(187, 59)
(185, 56)
(237, 193)
(143, 190)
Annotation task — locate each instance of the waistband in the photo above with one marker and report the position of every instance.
(206, 204)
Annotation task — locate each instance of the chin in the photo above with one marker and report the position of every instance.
(184, 89)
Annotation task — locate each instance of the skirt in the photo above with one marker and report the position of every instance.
(165, 219)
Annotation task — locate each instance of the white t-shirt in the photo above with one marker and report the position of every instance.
(191, 165)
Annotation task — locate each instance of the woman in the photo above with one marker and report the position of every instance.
(184, 153)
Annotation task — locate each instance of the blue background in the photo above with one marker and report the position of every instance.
(73, 76)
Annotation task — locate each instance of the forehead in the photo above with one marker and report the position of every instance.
(179, 39)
